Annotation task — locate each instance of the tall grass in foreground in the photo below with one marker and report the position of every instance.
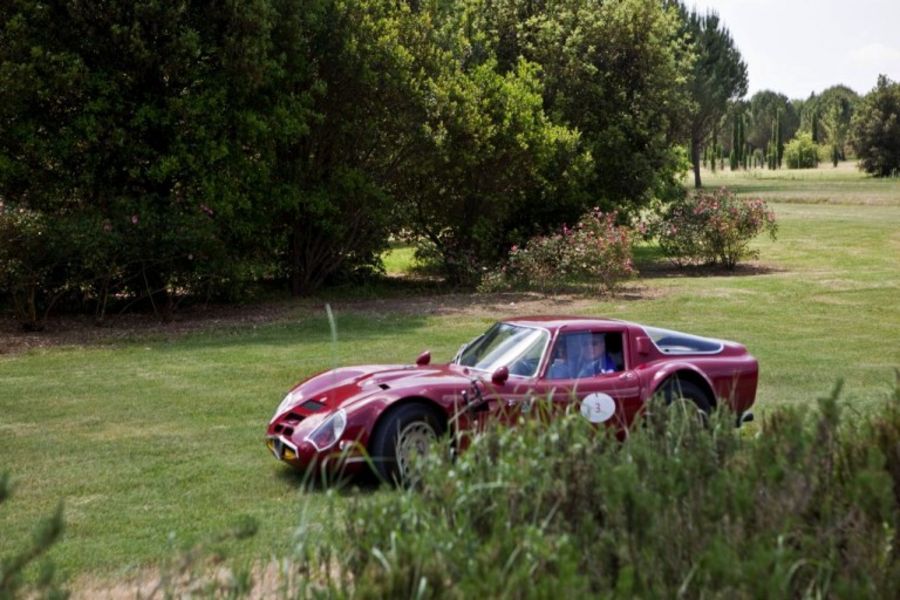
(808, 507)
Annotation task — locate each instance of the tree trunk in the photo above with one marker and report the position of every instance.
(695, 159)
(296, 257)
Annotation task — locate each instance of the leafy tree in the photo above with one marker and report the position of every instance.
(615, 72)
(336, 118)
(876, 129)
(762, 109)
(498, 159)
(801, 152)
(480, 160)
(718, 76)
(837, 105)
(117, 120)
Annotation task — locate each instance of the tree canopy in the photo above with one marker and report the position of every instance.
(876, 129)
(764, 108)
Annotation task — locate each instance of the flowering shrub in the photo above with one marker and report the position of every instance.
(712, 228)
(595, 249)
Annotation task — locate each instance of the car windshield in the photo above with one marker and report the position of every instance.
(503, 345)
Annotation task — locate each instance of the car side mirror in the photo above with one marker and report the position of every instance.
(500, 376)
(643, 345)
(424, 358)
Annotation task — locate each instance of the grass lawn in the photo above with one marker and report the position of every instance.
(150, 437)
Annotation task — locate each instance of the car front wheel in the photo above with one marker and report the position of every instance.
(407, 432)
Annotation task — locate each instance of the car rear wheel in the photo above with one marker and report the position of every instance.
(680, 395)
(407, 432)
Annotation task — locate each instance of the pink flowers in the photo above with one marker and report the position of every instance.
(595, 249)
(713, 228)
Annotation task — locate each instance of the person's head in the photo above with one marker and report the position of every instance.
(598, 345)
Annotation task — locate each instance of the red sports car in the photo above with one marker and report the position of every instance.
(383, 414)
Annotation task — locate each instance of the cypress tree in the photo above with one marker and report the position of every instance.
(777, 144)
(734, 155)
(815, 127)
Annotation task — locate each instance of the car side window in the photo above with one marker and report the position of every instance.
(586, 354)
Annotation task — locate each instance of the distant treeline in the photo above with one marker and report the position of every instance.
(152, 150)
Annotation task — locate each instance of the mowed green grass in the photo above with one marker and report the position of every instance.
(154, 437)
(843, 184)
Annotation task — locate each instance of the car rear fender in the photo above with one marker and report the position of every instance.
(684, 372)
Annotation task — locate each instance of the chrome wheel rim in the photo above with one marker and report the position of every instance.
(413, 440)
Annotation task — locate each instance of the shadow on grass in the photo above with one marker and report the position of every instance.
(670, 270)
(652, 263)
(363, 482)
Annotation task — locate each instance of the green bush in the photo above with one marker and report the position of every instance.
(802, 152)
(555, 507)
(594, 250)
(711, 228)
(31, 257)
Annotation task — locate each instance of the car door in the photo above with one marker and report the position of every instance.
(603, 387)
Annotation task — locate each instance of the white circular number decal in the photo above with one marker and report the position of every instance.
(598, 407)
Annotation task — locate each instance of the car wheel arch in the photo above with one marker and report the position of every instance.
(691, 376)
(433, 406)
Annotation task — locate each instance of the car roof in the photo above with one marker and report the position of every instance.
(557, 322)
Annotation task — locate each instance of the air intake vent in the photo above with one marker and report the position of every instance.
(384, 386)
(312, 406)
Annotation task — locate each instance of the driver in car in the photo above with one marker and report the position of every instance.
(599, 360)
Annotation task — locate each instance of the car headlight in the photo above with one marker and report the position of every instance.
(290, 401)
(329, 431)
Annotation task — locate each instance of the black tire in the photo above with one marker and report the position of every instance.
(675, 390)
(412, 427)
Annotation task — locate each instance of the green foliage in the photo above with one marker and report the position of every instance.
(814, 128)
(802, 152)
(480, 163)
(764, 108)
(615, 72)
(204, 145)
(712, 228)
(776, 144)
(595, 250)
(118, 125)
(876, 129)
(828, 115)
(31, 255)
(556, 507)
(45, 535)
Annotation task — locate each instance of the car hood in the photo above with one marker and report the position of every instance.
(341, 387)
